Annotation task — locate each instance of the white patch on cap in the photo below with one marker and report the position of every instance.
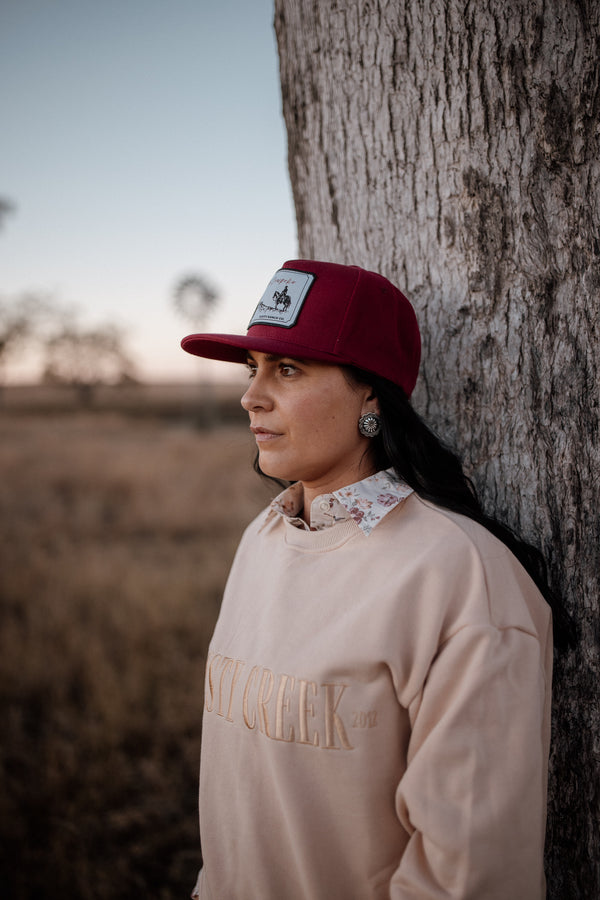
(282, 301)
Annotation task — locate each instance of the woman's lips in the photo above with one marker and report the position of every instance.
(263, 435)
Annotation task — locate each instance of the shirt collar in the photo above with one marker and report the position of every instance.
(366, 501)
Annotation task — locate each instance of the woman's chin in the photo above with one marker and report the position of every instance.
(269, 466)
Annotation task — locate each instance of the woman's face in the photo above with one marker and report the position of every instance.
(304, 415)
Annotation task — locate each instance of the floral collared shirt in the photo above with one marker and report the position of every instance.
(366, 501)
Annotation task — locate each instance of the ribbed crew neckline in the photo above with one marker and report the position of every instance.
(320, 541)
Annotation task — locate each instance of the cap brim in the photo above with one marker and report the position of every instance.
(228, 347)
(235, 348)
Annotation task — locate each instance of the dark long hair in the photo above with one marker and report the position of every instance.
(435, 473)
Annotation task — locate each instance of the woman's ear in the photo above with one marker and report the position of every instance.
(371, 403)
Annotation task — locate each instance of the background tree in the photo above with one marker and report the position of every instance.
(455, 147)
(87, 357)
(6, 207)
(23, 321)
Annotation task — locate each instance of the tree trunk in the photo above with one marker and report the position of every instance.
(455, 147)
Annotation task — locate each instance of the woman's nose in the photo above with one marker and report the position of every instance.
(256, 396)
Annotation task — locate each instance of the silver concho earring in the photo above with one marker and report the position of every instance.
(369, 425)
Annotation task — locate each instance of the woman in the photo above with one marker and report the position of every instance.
(377, 706)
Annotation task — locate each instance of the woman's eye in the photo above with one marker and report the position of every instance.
(287, 369)
(251, 370)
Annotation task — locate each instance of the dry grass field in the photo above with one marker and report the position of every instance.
(117, 535)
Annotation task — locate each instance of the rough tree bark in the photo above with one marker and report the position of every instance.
(454, 146)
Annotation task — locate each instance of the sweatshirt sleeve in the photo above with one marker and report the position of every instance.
(473, 797)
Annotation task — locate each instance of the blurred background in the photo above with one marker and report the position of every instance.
(142, 144)
(143, 195)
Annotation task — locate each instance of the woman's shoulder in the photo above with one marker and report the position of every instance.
(449, 532)
(259, 523)
(475, 566)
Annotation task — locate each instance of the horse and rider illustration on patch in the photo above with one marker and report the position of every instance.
(281, 305)
(282, 299)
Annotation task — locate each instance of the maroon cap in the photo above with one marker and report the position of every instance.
(328, 312)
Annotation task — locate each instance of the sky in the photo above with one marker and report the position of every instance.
(142, 142)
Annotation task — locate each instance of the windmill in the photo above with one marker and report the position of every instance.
(194, 298)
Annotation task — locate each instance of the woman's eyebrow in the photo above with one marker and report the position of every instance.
(276, 357)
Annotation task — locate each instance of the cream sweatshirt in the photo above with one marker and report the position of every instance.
(377, 716)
